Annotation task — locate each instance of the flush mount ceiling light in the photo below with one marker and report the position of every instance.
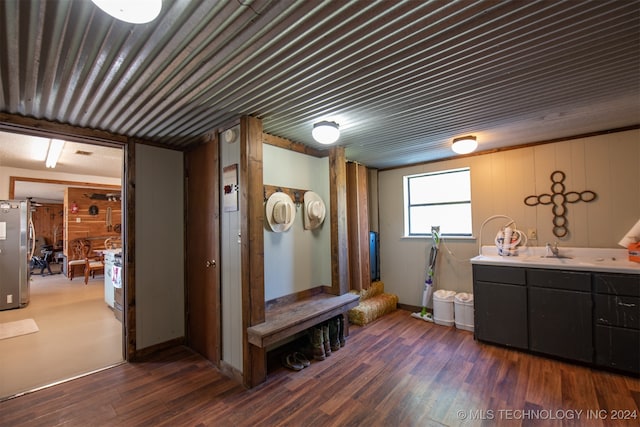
(326, 132)
(53, 154)
(132, 11)
(464, 145)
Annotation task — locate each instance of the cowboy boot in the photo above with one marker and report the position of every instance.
(341, 330)
(334, 326)
(326, 339)
(317, 343)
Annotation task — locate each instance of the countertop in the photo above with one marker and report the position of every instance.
(582, 259)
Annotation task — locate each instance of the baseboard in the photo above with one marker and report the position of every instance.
(412, 308)
(231, 372)
(147, 351)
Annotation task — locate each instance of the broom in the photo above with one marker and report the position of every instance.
(427, 291)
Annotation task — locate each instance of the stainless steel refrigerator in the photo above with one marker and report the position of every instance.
(15, 253)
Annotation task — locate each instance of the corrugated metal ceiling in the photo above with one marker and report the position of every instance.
(402, 78)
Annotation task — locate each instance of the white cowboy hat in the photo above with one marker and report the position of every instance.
(314, 210)
(280, 211)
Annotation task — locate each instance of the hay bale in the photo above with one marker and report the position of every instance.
(374, 303)
(376, 288)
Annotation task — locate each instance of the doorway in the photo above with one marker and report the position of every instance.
(77, 332)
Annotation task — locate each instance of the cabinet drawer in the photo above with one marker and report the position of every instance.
(489, 273)
(559, 279)
(615, 310)
(617, 284)
(618, 348)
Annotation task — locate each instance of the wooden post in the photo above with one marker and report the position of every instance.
(252, 246)
(339, 238)
(129, 251)
(358, 227)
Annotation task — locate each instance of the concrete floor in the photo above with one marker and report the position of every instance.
(78, 334)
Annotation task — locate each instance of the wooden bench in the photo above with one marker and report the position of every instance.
(285, 319)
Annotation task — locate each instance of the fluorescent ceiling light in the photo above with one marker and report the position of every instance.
(132, 11)
(326, 132)
(55, 149)
(464, 145)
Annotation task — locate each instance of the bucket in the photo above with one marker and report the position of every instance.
(443, 307)
(463, 306)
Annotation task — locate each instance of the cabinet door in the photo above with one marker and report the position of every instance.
(618, 348)
(561, 323)
(501, 313)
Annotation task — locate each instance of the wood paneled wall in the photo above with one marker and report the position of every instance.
(85, 225)
(48, 221)
(500, 181)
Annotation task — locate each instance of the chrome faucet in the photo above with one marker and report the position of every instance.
(553, 249)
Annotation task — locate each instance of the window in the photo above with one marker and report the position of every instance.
(438, 199)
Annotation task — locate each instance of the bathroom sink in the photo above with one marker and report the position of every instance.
(586, 259)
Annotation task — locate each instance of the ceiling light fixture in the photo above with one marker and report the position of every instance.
(326, 132)
(53, 154)
(132, 11)
(464, 145)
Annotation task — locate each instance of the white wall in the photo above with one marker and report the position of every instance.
(230, 266)
(7, 172)
(297, 259)
(159, 214)
(607, 165)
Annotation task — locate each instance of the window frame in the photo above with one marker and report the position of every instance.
(408, 206)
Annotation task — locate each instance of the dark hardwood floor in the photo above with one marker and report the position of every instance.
(397, 371)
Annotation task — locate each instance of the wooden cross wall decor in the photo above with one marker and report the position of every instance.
(559, 199)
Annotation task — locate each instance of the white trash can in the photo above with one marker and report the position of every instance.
(443, 307)
(463, 303)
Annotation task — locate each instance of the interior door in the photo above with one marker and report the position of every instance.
(202, 251)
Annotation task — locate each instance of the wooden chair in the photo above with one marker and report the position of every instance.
(91, 266)
(92, 262)
(83, 255)
(113, 243)
(76, 257)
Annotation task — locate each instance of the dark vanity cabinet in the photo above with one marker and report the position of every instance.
(500, 295)
(559, 306)
(576, 315)
(617, 321)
